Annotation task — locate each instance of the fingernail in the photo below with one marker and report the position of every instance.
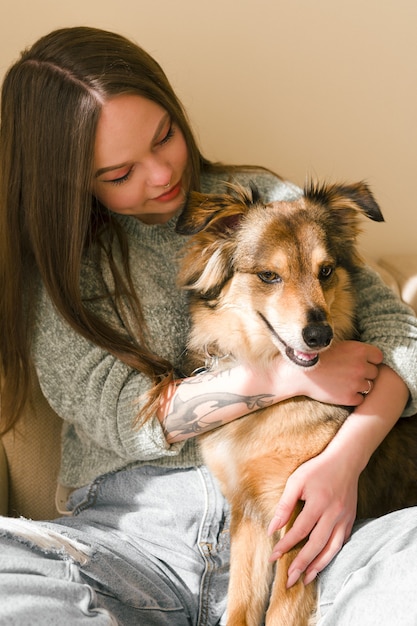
(274, 525)
(293, 577)
(308, 578)
(275, 556)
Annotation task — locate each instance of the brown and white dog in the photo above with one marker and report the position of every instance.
(268, 281)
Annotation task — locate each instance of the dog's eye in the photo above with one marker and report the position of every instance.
(326, 271)
(269, 277)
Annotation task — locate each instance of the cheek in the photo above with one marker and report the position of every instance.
(119, 199)
(181, 153)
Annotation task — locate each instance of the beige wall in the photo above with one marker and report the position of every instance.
(308, 87)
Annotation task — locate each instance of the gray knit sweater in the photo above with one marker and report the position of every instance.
(97, 395)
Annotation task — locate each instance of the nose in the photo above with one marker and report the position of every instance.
(317, 335)
(159, 173)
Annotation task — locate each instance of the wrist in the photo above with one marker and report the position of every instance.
(286, 380)
(350, 447)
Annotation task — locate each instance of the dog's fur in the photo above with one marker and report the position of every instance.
(264, 281)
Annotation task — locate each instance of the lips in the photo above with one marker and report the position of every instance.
(171, 194)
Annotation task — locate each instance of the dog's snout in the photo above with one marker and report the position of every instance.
(317, 335)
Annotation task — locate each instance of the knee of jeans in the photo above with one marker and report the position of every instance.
(38, 590)
(44, 539)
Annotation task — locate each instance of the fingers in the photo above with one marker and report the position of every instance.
(283, 512)
(365, 383)
(302, 527)
(317, 553)
(370, 353)
(369, 371)
(306, 520)
(327, 531)
(375, 355)
(368, 389)
(293, 492)
(342, 373)
(335, 543)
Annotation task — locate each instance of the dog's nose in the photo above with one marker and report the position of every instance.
(317, 335)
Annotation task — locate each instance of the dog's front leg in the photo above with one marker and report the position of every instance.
(250, 572)
(295, 606)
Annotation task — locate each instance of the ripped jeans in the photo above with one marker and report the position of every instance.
(143, 546)
(150, 547)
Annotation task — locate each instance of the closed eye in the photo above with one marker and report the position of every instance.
(168, 136)
(120, 180)
(269, 277)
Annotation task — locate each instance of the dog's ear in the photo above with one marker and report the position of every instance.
(220, 212)
(344, 205)
(362, 196)
(213, 220)
(347, 198)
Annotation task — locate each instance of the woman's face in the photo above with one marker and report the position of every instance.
(140, 160)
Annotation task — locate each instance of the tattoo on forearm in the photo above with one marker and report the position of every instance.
(195, 415)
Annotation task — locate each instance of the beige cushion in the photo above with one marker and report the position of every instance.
(32, 450)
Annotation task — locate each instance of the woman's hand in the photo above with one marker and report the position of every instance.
(327, 484)
(341, 375)
(328, 487)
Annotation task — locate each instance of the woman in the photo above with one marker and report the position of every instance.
(97, 157)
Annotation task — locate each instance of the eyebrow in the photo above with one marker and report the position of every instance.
(110, 168)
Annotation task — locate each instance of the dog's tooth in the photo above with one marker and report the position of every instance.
(305, 356)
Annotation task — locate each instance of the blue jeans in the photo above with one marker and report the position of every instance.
(143, 546)
(150, 547)
(372, 580)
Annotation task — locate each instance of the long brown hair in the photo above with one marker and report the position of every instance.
(51, 102)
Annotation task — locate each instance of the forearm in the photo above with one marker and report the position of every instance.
(370, 422)
(192, 406)
(196, 405)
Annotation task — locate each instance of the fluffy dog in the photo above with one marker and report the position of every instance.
(268, 281)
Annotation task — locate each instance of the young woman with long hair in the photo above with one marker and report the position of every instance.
(96, 159)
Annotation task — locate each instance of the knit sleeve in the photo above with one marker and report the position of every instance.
(385, 321)
(95, 393)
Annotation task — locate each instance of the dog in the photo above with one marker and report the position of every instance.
(275, 281)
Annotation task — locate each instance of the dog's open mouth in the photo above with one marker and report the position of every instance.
(304, 359)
